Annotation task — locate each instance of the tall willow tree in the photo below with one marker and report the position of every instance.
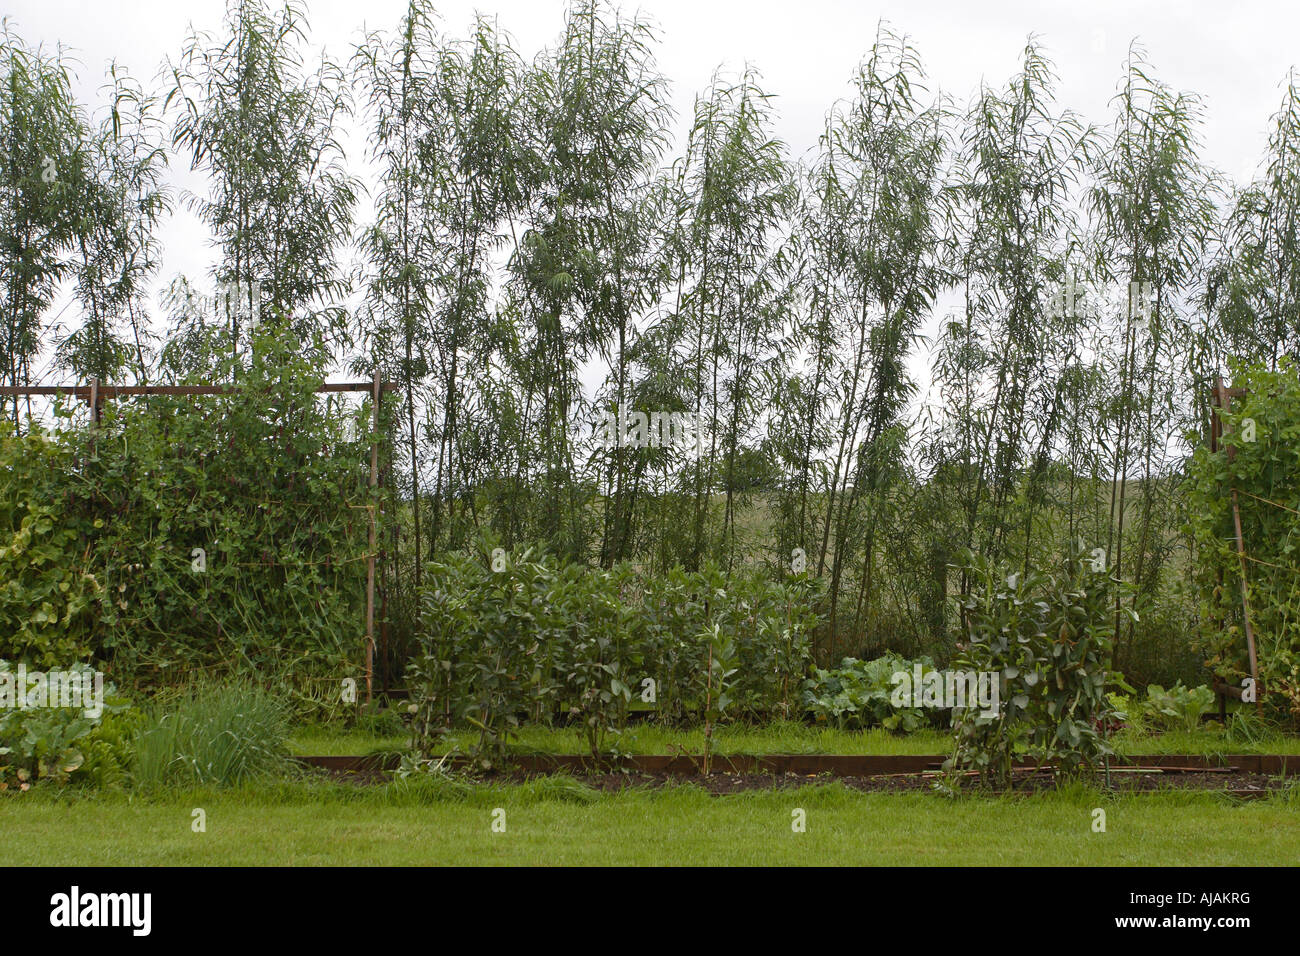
(870, 274)
(583, 268)
(116, 248)
(264, 129)
(1154, 209)
(478, 191)
(801, 427)
(447, 131)
(1255, 290)
(737, 191)
(1017, 161)
(42, 177)
(399, 74)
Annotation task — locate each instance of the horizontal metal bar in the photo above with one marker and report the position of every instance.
(83, 392)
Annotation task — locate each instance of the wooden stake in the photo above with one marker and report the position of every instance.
(1224, 400)
(1245, 598)
(370, 559)
(1216, 429)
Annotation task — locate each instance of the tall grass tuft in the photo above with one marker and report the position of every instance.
(215, 735)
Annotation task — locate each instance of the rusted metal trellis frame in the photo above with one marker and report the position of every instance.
(93, 394)
(1222, 402)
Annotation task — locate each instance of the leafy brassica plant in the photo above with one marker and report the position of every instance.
(1179, 707)
(857, 694)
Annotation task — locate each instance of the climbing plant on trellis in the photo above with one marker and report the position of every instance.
(1244, 516)
(226, 529)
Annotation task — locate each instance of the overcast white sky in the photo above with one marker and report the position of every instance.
(1234, 55)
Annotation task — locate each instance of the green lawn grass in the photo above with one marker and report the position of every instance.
(556, 821)
(652, 739)
(778, 738)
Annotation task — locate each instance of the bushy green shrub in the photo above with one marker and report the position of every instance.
(857, 694)
(511, 637)
(487, 651)
(770, 622)
(1048, 637)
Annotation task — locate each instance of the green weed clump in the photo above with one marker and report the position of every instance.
(216, 735)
